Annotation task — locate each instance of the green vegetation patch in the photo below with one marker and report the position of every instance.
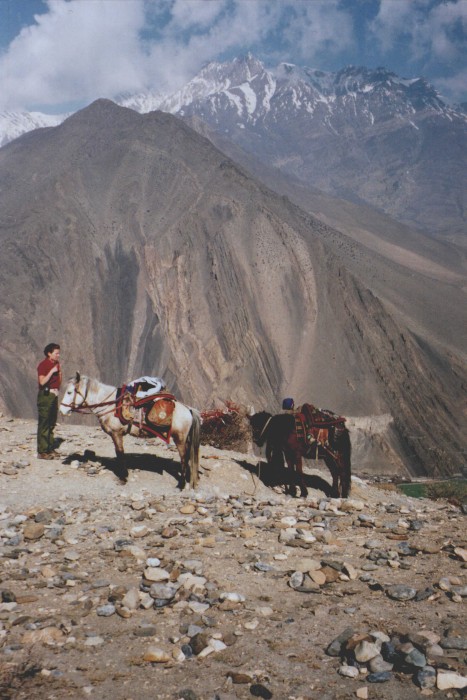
(414, 490)
(453, 490)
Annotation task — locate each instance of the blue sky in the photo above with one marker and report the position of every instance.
(58, 55)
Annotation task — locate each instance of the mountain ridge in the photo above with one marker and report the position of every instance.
(366, 136)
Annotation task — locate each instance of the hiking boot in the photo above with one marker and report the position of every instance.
(45, 455)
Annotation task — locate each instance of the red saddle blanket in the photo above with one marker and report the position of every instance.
(314, 424)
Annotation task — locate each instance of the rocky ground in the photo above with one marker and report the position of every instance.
(236, 591)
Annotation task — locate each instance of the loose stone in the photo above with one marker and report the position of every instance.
(378, 665)
(461, 553)
(139, 531)
(131, 599)
(94, 641)
(156, 655)
(260, 691)
(318, 577)
(296, 580)
(162, 593)
(251, 624)
(334, 648)
(426, 677)
(105, 610)
(156, 574)
(379, 677)
(416, 658)
(461, 591)
(306, 565)
(364, 651)
(33, 531)
(454, 643)
(401, 592)
(447, 679)
(239, 678)
(199, 642)
(232, 597)
(188, 509)
(349, 671)
(153, 562)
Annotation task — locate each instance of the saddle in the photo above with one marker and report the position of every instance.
(152, 413)
(315, 425)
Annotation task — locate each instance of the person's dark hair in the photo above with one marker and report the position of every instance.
(50, 348)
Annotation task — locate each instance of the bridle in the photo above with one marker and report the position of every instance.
(77, 392)
(84, 406)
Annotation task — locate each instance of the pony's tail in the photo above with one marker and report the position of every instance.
(195, 439)
(347, 470)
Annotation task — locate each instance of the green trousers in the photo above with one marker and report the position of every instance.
(47, 408)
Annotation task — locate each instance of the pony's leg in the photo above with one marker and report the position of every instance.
(290, 480)
(182, 451)
(344, 477)
(275, 460)
(194, 439)
(300, 479)
(121, 470)
(334, 469)
(344, 461)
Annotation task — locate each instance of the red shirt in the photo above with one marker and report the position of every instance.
(43, 368)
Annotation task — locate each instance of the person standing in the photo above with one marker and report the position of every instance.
(49, 375)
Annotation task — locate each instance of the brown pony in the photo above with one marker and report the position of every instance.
(285, 436)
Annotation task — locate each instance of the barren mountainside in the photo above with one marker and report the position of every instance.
(142, 248)
(368, 136)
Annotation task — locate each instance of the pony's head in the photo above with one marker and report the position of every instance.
(73, 396)
(259, 422)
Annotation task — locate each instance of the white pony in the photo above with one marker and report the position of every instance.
(86, 395)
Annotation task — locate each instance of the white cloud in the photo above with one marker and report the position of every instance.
(432, 35)
(196, 13)
(430, 31)
(448, 28)
(316, 28)
(394, 18)
(77, 50)
(450, 88)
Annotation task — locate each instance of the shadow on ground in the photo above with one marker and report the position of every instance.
(133, 462)
(273, 476)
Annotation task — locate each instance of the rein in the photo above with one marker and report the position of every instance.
(264, 429)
